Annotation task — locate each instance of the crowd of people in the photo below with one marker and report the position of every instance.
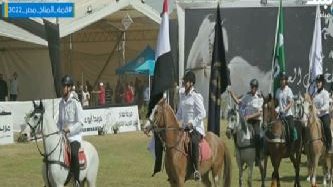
(124, 93)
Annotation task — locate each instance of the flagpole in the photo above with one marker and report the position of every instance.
(276, 31)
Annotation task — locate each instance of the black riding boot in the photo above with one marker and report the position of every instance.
(158, 154)
(256, 134)
(195, 139)
(75, 165)
(327, 130)
(257, 147)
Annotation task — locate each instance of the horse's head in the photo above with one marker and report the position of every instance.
(269, 113)
(233, 121)
(310, 110)
(34, 119)
(162, 116)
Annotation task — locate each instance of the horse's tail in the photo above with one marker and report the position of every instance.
(227, 167)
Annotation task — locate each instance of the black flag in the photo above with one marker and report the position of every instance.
(163, 76)
(164, 67)
(219, 78)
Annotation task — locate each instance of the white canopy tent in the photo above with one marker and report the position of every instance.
(87, 40)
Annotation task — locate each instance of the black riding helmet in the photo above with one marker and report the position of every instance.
(320, 78)
(67, 80)
(254, 82)
(283, 76)
(189, 77)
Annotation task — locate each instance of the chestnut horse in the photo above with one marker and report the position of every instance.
(276, 146)
(177, 158)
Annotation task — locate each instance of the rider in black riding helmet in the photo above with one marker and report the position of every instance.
(285, 98)
(321, 101)
(70, 121)
(251, 111)
(191, 112)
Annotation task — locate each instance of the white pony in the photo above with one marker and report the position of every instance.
(54, 171)
(242, 134)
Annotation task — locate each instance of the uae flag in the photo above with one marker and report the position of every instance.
(163, 77)
(164, 70)
(219, 78)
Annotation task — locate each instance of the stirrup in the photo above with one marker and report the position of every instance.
(197, 175)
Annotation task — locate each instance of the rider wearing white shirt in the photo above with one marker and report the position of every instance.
(251, 111)
(285, 96)
(191, 112)
(70, 121)
(321, 102)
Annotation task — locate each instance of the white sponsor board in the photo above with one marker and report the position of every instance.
(124, 118)
(6, 129)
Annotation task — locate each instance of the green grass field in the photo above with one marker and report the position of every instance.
(124, 161)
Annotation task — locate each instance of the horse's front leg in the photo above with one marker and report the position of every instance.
(249, 178)
(240, 178)
(275, 176)
(296, 161)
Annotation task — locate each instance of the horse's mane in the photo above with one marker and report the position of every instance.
(171, 113)
(269, 100)
(312, 109)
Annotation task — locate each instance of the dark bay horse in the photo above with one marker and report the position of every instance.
(276, 146)
(177, 158)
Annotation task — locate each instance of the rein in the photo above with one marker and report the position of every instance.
(40, 122)
(159, 130)
(44, 155)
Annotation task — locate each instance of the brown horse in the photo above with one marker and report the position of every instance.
(177, 158)
(276, 146)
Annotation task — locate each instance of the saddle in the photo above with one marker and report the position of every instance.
(82, 157)
(205, 152)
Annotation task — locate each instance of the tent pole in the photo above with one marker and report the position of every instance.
(149, 86)
(108, 59)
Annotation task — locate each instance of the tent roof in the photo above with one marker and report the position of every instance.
(104, 9)
(112, 12)
(144, 63)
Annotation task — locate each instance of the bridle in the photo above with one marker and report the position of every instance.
(41, 125)
(161, 131)
(44, 155)
(267, 121)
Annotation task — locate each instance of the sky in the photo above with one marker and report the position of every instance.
(157, 4)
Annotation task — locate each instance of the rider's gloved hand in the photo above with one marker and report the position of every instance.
(147, 128)
(188, 126)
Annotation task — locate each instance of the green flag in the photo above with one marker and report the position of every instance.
(279, 58)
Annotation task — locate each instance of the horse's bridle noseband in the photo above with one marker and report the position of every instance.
(160, 130)
(40, 123)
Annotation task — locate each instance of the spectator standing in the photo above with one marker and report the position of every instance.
(13, 88)
(128, 94)
(3, 89)
(108, 94)
(79, 90)
(85, 96)
(101, 94)
(146, 95)
(89, 87)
